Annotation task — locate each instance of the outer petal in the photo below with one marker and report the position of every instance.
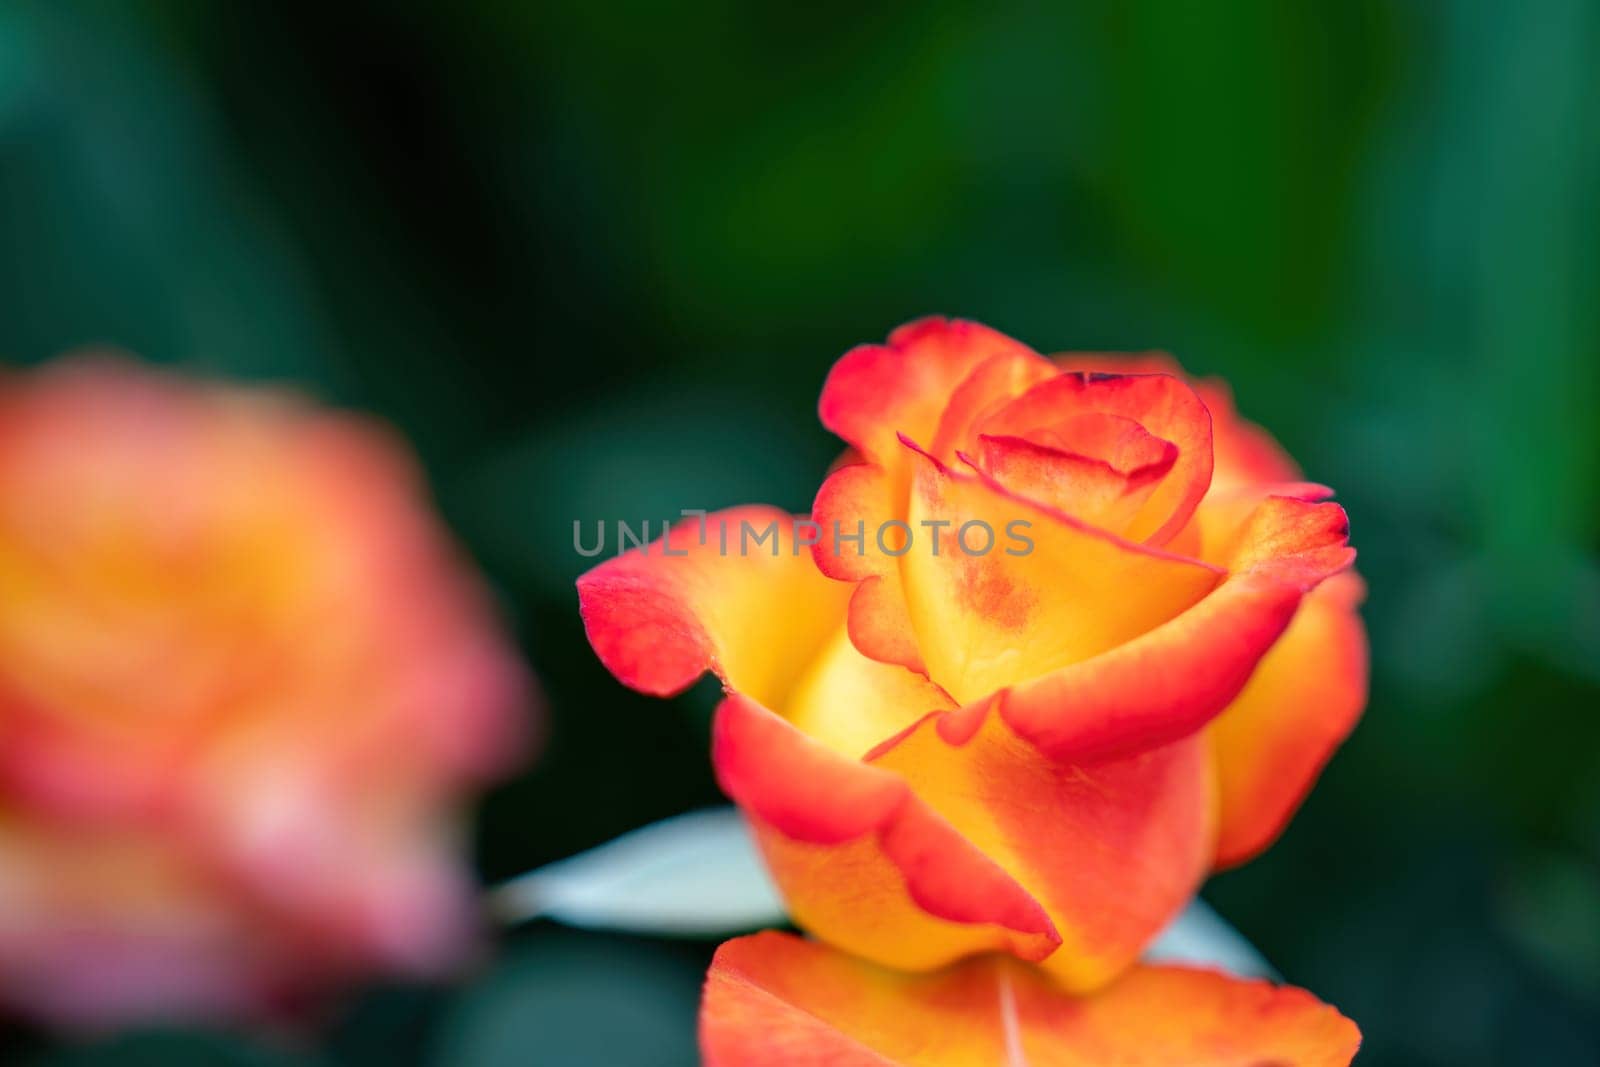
(876, 392)
(1169, 682)
(986, 621)
(1290, 539)
(756, 613)
(854, 503)
(775, 998)
(1112, 849)
(861, 861)
(1302, 701)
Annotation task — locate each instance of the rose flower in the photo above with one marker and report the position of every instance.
(1054, 644)
(244, 682)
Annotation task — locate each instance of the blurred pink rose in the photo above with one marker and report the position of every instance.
(245, 680)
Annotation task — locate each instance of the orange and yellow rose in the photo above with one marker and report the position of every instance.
(1041, 747)
(244, 682)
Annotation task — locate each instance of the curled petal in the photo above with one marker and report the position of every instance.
(1164, 406)
(1047, 592)
(734, 594)
(875, 392)
(1112, 849)
(861, 861)
(1215, 533)
(1291, 540)
(1160, 686)
(776, 998)
(880, 623)
(854, 501)
(1272, 742)
(1093, 490)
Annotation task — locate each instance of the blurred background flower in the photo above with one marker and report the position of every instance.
(243, 682)
(595, 268)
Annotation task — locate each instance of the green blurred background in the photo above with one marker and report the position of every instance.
(596, 262)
